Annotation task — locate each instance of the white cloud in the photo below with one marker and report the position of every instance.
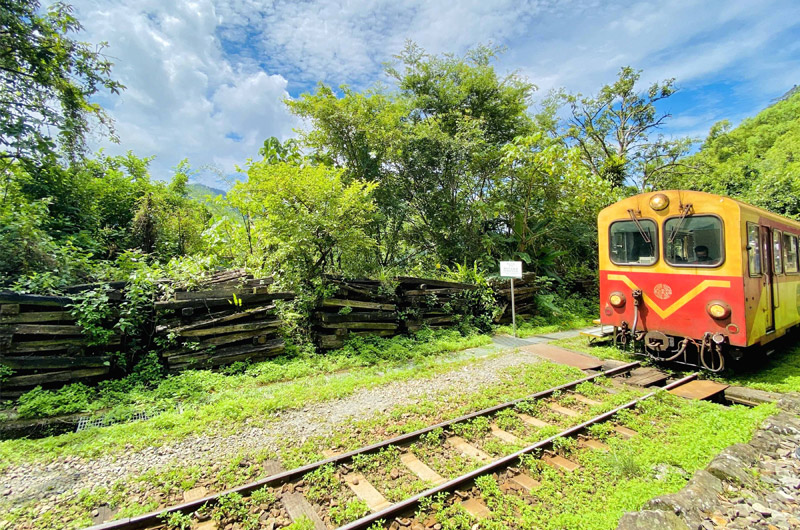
(184, 97)
(206, 80)
(339, 41)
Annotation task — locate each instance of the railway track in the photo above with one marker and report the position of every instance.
(386, 482)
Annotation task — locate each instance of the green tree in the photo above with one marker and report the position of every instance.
(757, 162)
(432, 146)
(615, 131)
(46, 81)
(547, 208)
(305, 220)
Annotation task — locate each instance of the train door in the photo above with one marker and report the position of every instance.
(768, 277)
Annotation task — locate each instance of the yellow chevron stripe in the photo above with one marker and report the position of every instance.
(682, 301)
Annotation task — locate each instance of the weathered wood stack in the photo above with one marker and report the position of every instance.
(524, 296)
(429, 302)
(40, 342)
(367, 307)
(358, 307)
(231, 317)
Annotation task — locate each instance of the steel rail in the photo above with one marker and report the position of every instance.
(404, 506)
(277, 479)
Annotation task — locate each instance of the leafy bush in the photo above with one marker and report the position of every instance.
(5, 372)
(93, 311)
(39, 403)
(177, 521)
(350, 511)
(476, 308)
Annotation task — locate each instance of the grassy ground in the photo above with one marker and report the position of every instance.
(780, 372)
(602, 350)
(200, 401)
(679, 436)
(676, 437)
(574, 317)
(139, 495)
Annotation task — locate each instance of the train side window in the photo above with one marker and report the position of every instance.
(694, 241)
(777, 255)
(633, 243)
(790, 252)
(753, 249)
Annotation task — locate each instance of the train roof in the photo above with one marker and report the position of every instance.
(702, 194)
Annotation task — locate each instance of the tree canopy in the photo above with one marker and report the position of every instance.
(47, 80)
(433, 147)
(757, 162)
(615, 131)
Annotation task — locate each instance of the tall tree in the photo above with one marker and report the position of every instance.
(433, 146)
(616, 131)
(305, 220)
(47, 79)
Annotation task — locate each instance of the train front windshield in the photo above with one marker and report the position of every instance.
(694, 241)
(633, 242)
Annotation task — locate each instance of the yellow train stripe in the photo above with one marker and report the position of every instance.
(682, 301)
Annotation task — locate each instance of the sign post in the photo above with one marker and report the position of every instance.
(512, 269)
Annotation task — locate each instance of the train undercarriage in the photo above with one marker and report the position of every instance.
(711, 352)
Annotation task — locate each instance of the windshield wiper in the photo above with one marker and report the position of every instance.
(645, 235)
(684, 212)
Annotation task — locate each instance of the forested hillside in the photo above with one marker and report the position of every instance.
(757, 162)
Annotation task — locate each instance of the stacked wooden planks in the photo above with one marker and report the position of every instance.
(40, 342)
(367, 307)
(357, 307)
(524, 296)
(231, 317)
(429, 302)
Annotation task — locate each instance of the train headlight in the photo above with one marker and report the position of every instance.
(617, 299)
(718, 310)
(659, 201)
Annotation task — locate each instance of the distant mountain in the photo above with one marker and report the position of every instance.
(198, 191)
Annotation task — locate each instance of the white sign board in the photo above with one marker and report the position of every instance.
(511, 269)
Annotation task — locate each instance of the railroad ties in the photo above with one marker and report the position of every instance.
(42, 343)
(230, 317)
(361, 307)
(447, 458)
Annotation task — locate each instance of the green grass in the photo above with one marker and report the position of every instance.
(541, 326)
(74, 512)
(214, 402)
(679, 435)
(779, 372)
(676, 438)
(602, 351)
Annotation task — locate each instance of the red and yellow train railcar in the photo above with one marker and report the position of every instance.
(694, 277)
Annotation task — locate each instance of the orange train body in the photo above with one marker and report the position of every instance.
(691, 265)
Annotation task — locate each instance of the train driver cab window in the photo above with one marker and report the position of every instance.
(694, 241)
(633, 242)
(777, 255)
(753, 249)
(790, 253)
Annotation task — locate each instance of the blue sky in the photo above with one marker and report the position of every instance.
(206, 79)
